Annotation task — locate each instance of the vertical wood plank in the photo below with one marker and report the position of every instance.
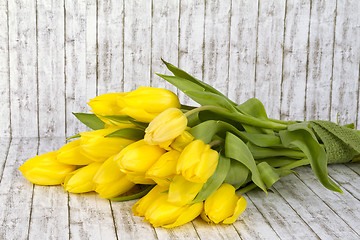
(243, 36)
(51, 79)
(345, 87)
(110, 46)
(321, 36)
(165, 36)
(4, 71)
(80, 56)
(137, 44)
(15, 191)
(23, 68)
(216, 44)
(270, 55)
(295, 59)
(49, 215)
(129, 226)
(90, 217)
(191, 40)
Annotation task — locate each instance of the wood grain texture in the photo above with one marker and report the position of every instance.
(293, 82)
(281, 216)
(321, 40)
(129, 226)
(345, 87)
(341, 204)
(80, 60)
(110, 40)
(164, 40)
(191, 40)
(49, 214)
(15, 191)
(137, 44)
(317, 215)
(216, 44)
(23, 68)
(51, 76)
(90, 217)
(243, 36)
(5, 129)
(270, 55)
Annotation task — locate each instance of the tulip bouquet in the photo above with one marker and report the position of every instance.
(185, 161)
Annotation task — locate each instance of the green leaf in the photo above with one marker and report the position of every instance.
(262, 140)
(208, 98)
(181, 83)
(236, 149)
(133, 196)
(277, 161)
(215, 181)
(139, 124)
(184, 75)
(90, 120)
(270, 175)
(301, 136)
(130, 133)
(253, 107)
(237, 175)
(266, 152)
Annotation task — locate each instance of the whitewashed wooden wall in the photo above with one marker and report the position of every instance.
(300, 57)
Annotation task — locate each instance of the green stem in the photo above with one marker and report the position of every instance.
(134, 196)
(296, 164)
(203, 108)
(247, 188)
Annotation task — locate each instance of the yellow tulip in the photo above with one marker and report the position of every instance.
(106, 105)
(136, 159)
(81, 180)
(145, 103)
(71, 153)
(223, 205)
(98, 148)
(181, 191)
(164, 169)
(45, 169)
(140, 207)
(165, 127)
(182, 141)
(110, 181)
(159, 212)
(197, 162)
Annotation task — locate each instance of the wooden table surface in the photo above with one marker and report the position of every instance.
(297, 207)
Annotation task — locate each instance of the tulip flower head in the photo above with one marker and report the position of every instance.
(98, 148)
(197, 162)
(161, 213)
(223, 205)
(110, 181)
(181, 191)
(81, 180)
(72, 153)
(106, 105)
(164, 169)
(145, 103)
(136, 159)
(182, 141)
(168, 125)
(45, 169)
